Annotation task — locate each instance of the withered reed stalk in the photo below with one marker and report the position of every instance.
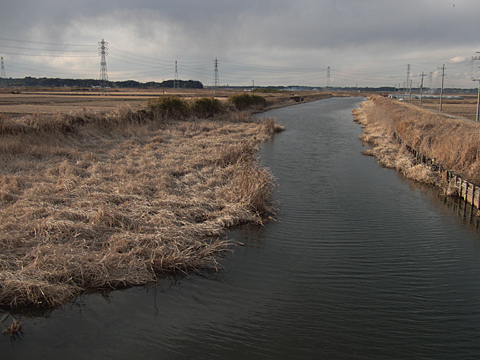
(96, 200)
(452, 143)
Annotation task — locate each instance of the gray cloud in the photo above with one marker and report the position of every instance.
(302, 33)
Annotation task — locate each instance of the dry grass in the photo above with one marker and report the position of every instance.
(14, 330)
(95, 200)
(379, 130)
(465, 107)
(453, 143)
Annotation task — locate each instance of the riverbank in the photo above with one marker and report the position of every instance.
(394, 129)
(95, 201)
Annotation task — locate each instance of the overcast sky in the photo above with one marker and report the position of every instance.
(270, 42)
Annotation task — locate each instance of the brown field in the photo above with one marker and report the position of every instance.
(37, 101)
(466, 108)
(55, 101)
(108, 196)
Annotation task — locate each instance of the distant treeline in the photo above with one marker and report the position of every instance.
(88, 83)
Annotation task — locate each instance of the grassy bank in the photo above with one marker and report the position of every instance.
(452, 143)
(108, 200)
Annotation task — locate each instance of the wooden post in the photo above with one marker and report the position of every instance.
(478, 101)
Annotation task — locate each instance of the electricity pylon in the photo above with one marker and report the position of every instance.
(3, 77)
(176, 84)
(103, 52)
(216, 80)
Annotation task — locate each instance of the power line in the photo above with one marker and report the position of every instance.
(41, 43)
(32, 48)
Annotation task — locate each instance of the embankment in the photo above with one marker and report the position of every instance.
(424, 146)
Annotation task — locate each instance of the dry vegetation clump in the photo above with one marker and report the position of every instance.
(15, 328)
(93, 200)
(452, 143)
(379, 132)
(247, 101)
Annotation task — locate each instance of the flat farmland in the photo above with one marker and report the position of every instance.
(64, 102)
(48, 102)
(465, 108)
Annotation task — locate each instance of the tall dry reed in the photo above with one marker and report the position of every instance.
(94, 200)
(453, 143)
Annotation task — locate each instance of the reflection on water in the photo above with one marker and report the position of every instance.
(466, 213)
(361, 264)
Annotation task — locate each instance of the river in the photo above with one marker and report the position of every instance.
(360, 264)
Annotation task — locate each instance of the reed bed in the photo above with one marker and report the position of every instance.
(452, 143)
(100, 201)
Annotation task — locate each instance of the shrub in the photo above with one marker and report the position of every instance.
(169, 106)
(245, 101)
(206, 107)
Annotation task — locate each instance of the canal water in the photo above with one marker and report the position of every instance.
(360, 264)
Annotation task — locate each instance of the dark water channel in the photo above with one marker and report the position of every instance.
(361, 264)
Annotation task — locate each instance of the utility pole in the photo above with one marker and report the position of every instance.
(103, 52)
(410, 91)
(328, 76)
(421, 88)
(441, 91)
(478, 96)
(408, 76)
(216, 80)
(478, 100)
(3, 77)
(176, 85)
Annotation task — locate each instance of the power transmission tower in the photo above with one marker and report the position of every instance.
(441, 91)
(176, 85)
(328, 76)
(430, 80)
(3, 77)
(216, 79)
(103, 52)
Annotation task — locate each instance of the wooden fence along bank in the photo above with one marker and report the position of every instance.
(466, 190)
